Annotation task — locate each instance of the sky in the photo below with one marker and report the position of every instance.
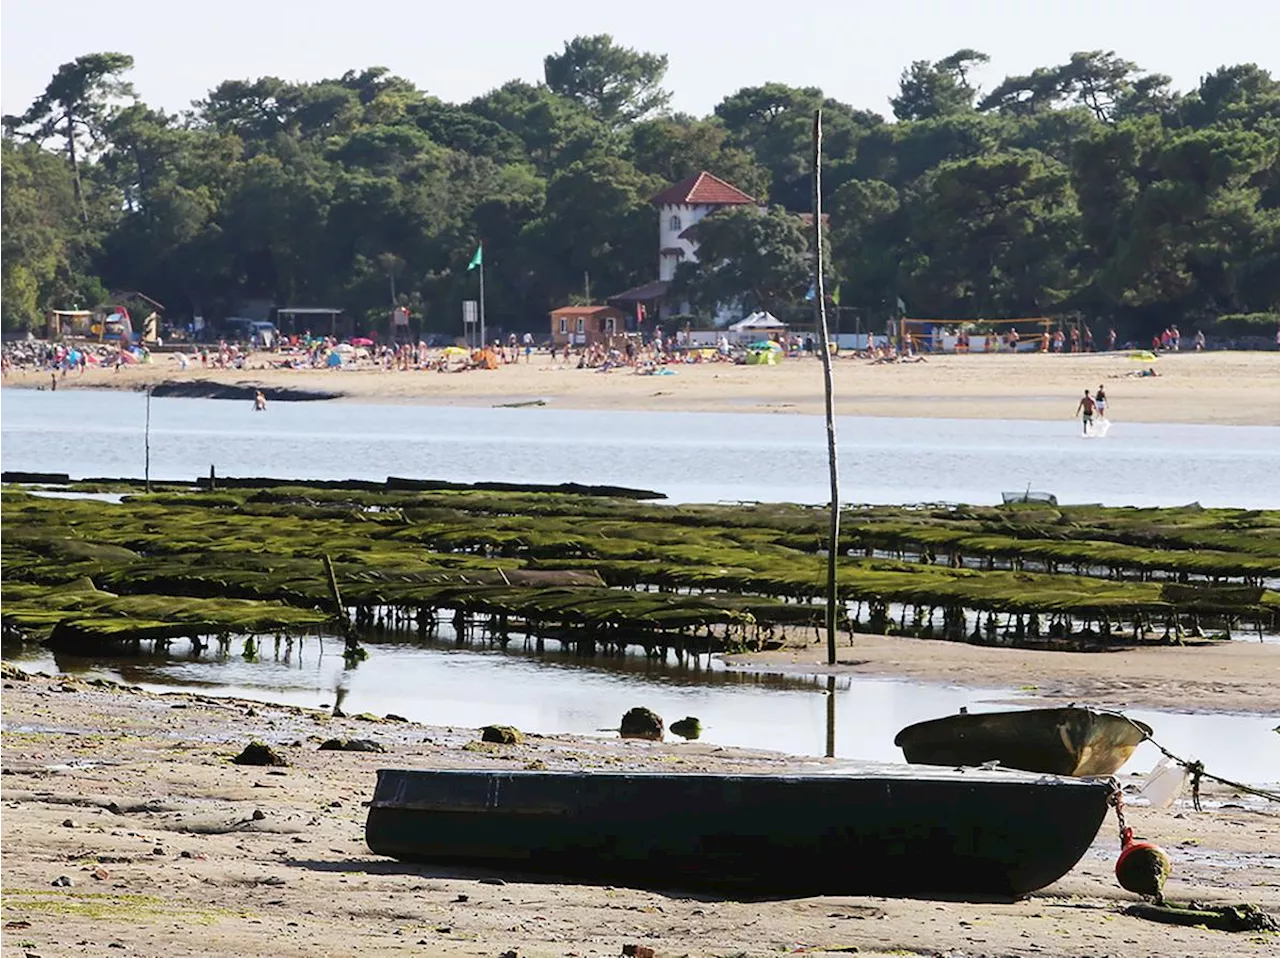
(456, 50)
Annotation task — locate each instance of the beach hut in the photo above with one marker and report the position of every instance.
(585, 325)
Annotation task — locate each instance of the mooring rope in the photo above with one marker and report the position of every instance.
(1198, 772)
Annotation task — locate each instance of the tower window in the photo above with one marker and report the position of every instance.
(675, 224)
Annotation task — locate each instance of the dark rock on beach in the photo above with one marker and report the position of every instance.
(642, 723)
(257, 753)
(352, 745)
(501, 735)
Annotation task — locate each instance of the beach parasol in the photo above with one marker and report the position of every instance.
(362, 341)
(766, 344)
(452, 351)
(1143, 356)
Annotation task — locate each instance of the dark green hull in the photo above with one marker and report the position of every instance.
(890, 832)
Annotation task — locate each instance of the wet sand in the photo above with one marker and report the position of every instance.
(1220, 387)
(171, 850)
(1238, 676)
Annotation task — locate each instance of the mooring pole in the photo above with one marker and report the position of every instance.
(146, 447)
(831, 716)
(820, 310)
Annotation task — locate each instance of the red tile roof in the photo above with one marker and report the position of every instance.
(582, 310)
(702, 189)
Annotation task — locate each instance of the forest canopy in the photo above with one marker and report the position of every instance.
(1088, 189)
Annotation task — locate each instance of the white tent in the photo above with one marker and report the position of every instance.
(758, 322)
(756, 326)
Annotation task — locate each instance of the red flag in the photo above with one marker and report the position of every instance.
(639, 312)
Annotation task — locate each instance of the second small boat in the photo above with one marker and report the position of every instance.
(1070, 741)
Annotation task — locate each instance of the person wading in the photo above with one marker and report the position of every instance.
(1085, 410)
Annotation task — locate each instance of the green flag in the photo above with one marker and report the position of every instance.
(835, 296)
(478, 259)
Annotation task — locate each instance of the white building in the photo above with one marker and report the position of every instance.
(680, 207)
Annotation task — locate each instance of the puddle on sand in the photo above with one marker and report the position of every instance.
(446, 683)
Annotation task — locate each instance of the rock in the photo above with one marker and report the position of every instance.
(688, 727)
(640, 951)
(642, 723)
(392, 717)
(62, 881)
(352, 745)
(257, 753)
(69, 823)
(501, 735)
(9, 671)
(100, 874)
(258, 815)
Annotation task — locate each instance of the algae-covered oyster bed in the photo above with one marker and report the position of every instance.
(602, 566)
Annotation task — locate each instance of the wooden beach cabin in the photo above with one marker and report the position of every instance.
(586, 325)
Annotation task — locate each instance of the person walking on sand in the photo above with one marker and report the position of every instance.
(1085, 410)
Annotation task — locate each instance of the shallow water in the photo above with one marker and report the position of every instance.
(689, 456)
(557, 691)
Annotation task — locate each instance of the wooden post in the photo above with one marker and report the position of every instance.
(831, 716)
(820, 307)
(340, 612)
(146, 447)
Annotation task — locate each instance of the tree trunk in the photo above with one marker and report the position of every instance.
(75, 168)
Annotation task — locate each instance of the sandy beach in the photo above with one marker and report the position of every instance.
(1234, 388)
(126, 826)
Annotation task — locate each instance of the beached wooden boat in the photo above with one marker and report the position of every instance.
(885, 830)
(1044, 498)
(1059, 741)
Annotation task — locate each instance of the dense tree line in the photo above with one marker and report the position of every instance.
(1088, 189)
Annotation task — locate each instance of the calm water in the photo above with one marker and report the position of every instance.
(688, 456)
(556, 691)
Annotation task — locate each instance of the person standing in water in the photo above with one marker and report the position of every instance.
(259, 401)
(1100, 401)
(1085, 410)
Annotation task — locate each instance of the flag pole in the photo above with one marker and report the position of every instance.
(483, 341)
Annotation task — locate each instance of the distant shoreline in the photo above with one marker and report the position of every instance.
(1223, 388)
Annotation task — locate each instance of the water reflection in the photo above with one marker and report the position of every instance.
(554, 690)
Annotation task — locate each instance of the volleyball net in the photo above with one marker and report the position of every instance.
(1027, 333)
